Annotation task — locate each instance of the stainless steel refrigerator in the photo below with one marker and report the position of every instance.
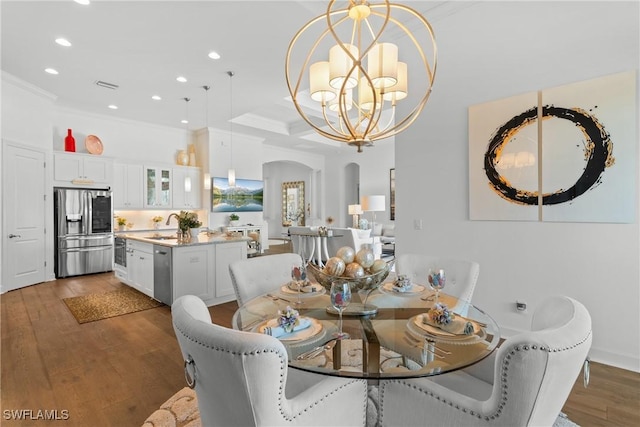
(83, 231)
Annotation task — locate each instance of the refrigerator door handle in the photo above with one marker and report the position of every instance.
(88, 212)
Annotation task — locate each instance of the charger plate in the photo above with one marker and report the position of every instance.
(314, 329)
(320, 290)
(416, 327)
(388, 288)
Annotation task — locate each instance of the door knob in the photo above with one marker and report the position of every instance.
(11, 236)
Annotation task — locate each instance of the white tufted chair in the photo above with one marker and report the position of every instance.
(465, 273)
(523, 383)
(256, 276)
(242, 378)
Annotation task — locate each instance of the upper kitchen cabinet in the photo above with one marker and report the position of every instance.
(187, 188)
(127, 186)
(82, 169)
(157, 187)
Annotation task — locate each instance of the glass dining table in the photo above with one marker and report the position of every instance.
(396, 342)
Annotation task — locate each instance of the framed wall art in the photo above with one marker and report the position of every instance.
(392, 194)
(245, 196)
(560, 154)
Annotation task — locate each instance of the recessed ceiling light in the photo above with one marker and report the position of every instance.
(113, 107)
(181, 79)
(82, 2)
(156, 97)
(184, 121)
(51, 70)
(214, 55)
(63, 42)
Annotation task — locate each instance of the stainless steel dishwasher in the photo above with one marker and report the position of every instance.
(162, 274)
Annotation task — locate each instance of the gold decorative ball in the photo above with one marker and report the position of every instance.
(347, 253)
(378, 265)
(354, 270)
(365, 258)
(335, 266)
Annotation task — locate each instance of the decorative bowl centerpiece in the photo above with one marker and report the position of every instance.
(366, 283)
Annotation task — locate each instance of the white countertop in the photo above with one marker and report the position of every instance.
(169, 240)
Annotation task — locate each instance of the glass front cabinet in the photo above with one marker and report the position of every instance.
(157, 187)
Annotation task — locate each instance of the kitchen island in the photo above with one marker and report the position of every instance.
(164, 268)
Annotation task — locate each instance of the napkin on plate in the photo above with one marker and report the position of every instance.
(278, 331)
(308, 287)
(457, 326)
(402, 284)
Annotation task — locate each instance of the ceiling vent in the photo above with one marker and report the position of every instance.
(106, 85)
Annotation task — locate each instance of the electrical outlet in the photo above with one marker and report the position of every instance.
(521, 305)
(417, 224)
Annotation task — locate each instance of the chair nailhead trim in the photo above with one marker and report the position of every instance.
(504, 381)
(283, 366)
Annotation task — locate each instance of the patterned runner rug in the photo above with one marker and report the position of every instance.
(89, 308)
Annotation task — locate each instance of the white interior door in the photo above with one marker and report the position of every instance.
(23, 239)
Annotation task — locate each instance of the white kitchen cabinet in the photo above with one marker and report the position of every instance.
(157, 187)
(225, 254)
(127, 186)
(187, 188)
(193, 271)
(140, 266)
(82, 169)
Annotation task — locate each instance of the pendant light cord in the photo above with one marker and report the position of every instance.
(231, 74)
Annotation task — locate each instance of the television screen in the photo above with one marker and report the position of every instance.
(246, 196)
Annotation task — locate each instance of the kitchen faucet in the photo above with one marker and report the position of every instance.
(169, 218)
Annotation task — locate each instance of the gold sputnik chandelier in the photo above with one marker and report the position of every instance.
(376, 58)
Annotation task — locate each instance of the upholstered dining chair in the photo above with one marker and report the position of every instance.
(462, 275)
(242, 378)
(255, 276)
(525, 382)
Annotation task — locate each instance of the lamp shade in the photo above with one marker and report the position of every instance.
(355, 210)
(373, 203)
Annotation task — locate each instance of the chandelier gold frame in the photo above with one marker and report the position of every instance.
(356, 118)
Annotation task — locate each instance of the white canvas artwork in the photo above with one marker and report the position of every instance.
(589, 150)
(562, 154)
(511, 162)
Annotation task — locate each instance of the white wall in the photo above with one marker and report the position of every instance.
(512, 48)
(375, 163)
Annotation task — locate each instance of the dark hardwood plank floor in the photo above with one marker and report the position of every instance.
(115, 372)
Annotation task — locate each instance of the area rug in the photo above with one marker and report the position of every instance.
(89, 308)
(181, 410)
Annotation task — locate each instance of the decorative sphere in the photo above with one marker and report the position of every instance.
(347, 253)
(378, 265)
(335, 266)
(365, 257)
(354, 270)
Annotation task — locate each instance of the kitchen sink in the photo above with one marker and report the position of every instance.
(162, 237)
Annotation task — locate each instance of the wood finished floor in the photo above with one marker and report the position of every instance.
(115, 372)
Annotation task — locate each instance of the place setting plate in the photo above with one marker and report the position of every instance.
(292, 291)
(415, 289)
(314, 329)
(418, 328)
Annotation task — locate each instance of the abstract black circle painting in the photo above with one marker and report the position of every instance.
(565, 154)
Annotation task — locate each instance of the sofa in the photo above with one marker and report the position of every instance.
(387, 235)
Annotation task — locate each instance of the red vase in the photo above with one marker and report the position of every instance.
(69, 142)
